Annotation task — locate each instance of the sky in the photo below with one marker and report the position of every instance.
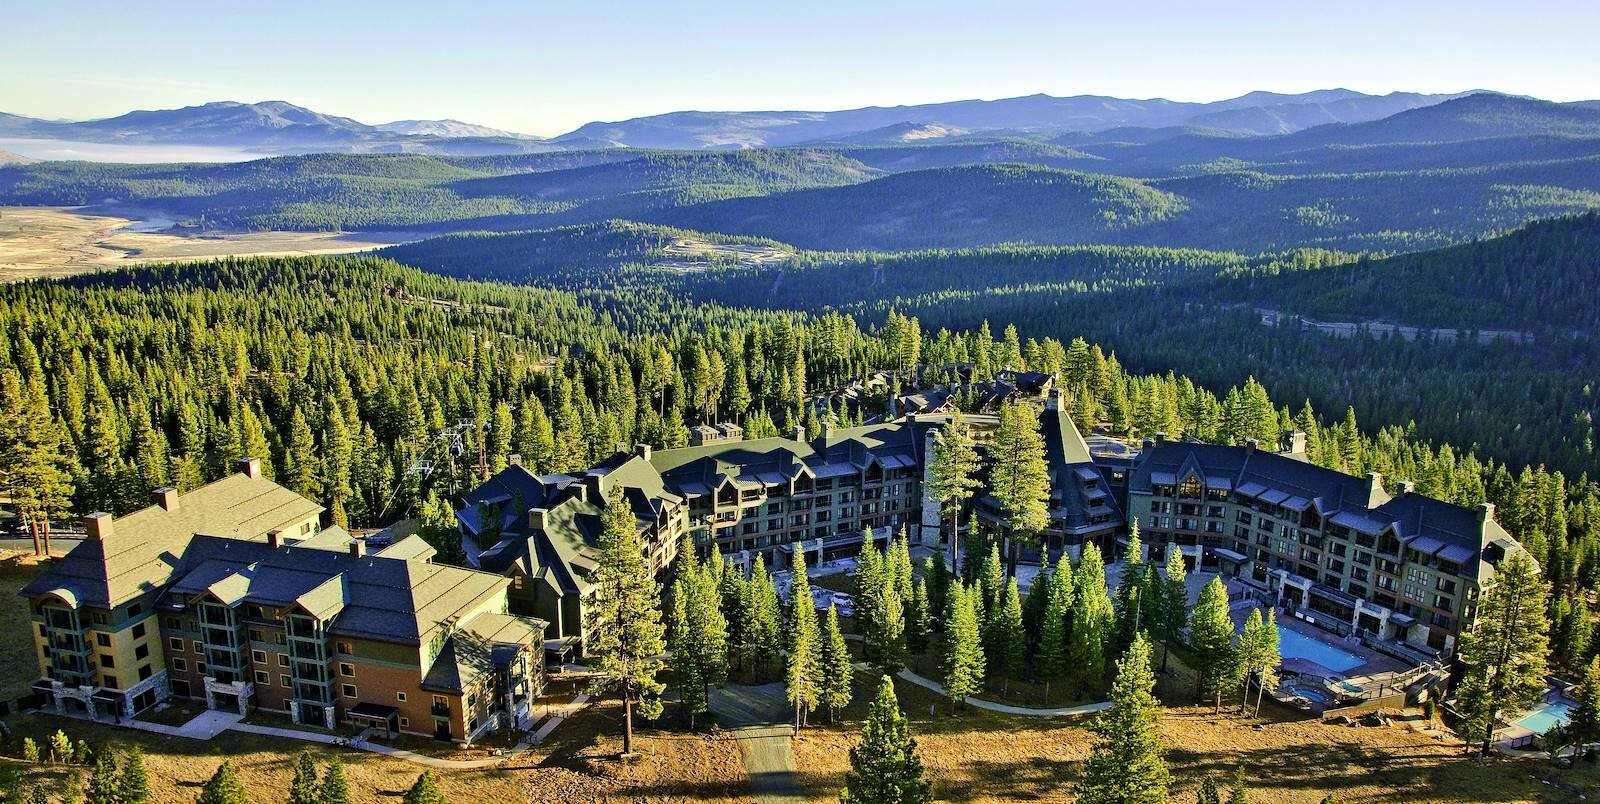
(541, 67)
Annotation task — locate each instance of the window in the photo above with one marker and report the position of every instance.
(283, 660)
(138, 631)
(263, 677)
(200, 667)
(144, 671)
(110, 682)
(103, 640)
(347, 669)
(348, 690)
(180, 665)
(404, 722)
(136, 610)
(100, 618)
(199, 647)
(174, 623)
(1190, 487)
(107, 661)
(141, 652)
(400, 696)
(175, 644)
(255, 635)
(258, 656)
(283, 681)
(342, 647)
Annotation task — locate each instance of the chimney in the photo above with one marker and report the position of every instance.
(1406, 487)
(1147, 443)
(1294, 442)
(274, 538)
(536, 518)
(1375, 493)
(1250, 445)
(642, 450)
(97, 525)
(622, 447)
(827, 430)
(251, 467)
(1485, 512)
(514, 459)
(1052, 400)
(800, 432)
(166, 497)
(358, 548)
(1161, 438)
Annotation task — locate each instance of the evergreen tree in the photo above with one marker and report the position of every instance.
(1504, 650)
(304, 789)
(1092, 620)
(1008, 637)
(1208, 792)
(1174, 601)
(1125, 766)
(103, 780)
(134, 786)
(838, 671)
(963, 650)
(1211, 638)
(224, 787)
(685, 670)
(953, 465)
(1129, 601)
(1238, 794)
(803, 677)
(884, 637)
(765, 623)
(625, 636)
(917, 617)
(1053, 647)
(335, 789)
(938, 578)
(424, 791)
(1265, 656)
(1019, 478)
(885, 767)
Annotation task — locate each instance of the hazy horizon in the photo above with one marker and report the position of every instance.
(547, 70)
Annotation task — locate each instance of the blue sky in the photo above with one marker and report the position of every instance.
(547, 67)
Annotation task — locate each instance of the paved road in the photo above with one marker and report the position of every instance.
(759, 717)
(1081, 709)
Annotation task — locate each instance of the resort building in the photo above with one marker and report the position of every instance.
(825, 493)
(1336, 549)
(232, 594)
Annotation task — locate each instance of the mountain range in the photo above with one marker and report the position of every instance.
(278, 127)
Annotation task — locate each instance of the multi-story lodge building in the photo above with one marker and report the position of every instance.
(1335, 547)
(232, 594)
(747, 497)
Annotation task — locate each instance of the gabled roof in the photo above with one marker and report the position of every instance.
(148, 549)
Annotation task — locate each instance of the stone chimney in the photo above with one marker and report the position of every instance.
(642, 450)
(97, 525)
(1405, 487)
(1485, 512)
(274, 538)
(1052, 400)
(251, 467)
(358, 548)
(166, 497)
(827, 430)
(1161, 438)
(800, 432)
(1147, 443)
(1294, 442)
(536, 518)
(514, 459)
(1376, 496)
(1250, 445)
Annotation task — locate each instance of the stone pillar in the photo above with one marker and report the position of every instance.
(819, 552)
(294, 711)
(327, 717)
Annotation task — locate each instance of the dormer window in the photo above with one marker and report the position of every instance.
(1190, 488)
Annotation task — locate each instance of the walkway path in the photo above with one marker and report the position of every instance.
(1080, 709)
(758, 717)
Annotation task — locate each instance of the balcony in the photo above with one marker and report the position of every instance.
(440, 709)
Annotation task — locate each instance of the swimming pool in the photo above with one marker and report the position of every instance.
(1310, 693)
(1545, 716)
(1297, 645)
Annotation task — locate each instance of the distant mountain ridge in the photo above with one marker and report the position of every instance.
(1255, 113)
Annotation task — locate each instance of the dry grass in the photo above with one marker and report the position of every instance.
(54, 241)
(985, 756)
(19, 666)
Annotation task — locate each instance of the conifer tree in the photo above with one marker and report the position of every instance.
(953, 465)
(884, 637)
(885, 767)
(765, 622)
(867, 585)
(1208, 792)
(103, 780)
(224, 787)
(838, 671)
(335, 788)
(1092, 620)
(1008, 637)
(917, 617)
(963, 650)
(1053, 647)
(1129, 599)
(803, 673)
(424, 791)
(1238, 793)
(1211, 638)
(625, 636)
(1174, 602)
(1504, 650)
(685, 670)
(938, 578)
(134, 786)
(1267, 657)
(1126, 766)
(1019, 478)
(304, 789)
